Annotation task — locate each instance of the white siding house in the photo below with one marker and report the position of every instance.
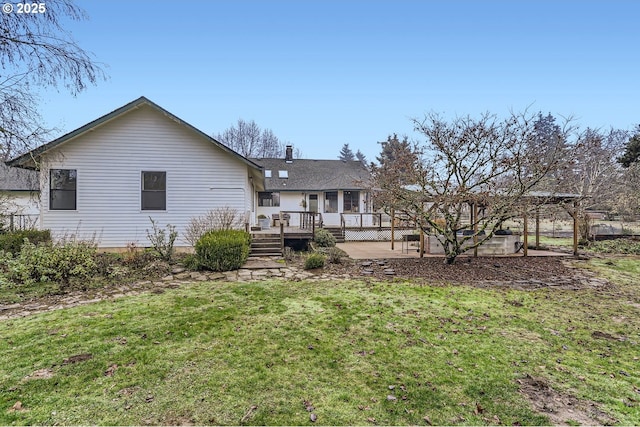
(138, 162)
(339, 190)
(19, 198)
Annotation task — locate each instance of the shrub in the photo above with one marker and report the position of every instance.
(224, 218)
(324, 238)
(190, 262)
(334, 255)
(12, 241)
(223, 250)
(161, 241)
(60, 262)
(315, 260)
(617, 246)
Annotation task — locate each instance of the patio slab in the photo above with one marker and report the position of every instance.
(380, 250)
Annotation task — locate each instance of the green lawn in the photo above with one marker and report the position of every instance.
(350, 353)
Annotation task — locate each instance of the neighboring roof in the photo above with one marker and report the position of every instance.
(14, 179)
(27, 160)
(315, 175)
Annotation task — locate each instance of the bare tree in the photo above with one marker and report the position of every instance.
(249, 140)
(36, 51)
(482, 162)
(592, 172)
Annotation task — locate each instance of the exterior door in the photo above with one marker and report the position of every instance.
(313, 203)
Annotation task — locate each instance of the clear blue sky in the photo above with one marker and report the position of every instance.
(324, 73)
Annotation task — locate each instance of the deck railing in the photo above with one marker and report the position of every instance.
(303, 220)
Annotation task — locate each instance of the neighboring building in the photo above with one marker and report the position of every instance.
(109, 177)
(330, 187)
(19, 195)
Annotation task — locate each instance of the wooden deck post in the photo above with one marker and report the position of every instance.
(282, 236)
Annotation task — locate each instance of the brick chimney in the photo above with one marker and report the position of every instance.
(288, 157)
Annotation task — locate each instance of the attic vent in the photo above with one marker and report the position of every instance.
(267, 173)
(283, 174)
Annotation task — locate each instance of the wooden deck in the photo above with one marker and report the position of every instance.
(289, 232)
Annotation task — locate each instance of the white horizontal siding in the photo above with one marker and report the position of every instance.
(109, 161)
(291, 200)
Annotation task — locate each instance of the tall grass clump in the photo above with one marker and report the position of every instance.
(223, 250)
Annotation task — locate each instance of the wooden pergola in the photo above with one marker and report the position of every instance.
(535, 198)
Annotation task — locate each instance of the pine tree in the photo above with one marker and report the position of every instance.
(632, 150)
(346, 154)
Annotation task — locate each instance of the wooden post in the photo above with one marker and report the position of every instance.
(575, 228)
(475, 228)
(282, 235)
(421, 242)
(393, 220)
(538, 227)
(525, 236)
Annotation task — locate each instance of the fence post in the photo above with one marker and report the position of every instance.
(11, 224)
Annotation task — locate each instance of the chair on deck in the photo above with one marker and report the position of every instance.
(276, 217)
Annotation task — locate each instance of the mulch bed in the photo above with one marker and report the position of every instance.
(464, 270)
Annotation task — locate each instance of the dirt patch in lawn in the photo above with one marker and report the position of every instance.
(561, 409)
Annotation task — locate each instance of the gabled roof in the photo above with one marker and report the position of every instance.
(14, 179)
(29, 159)
(315, 175)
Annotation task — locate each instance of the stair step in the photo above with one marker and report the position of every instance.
(265, 243)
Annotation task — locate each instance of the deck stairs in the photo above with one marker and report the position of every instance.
(263, 245)
(337, 232)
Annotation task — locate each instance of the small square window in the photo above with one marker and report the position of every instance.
(283, 174)
(267, 173)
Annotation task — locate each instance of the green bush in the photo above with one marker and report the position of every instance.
(324, 238)
(315, 260)
(223, 250)
(52, 263)
(12, 241)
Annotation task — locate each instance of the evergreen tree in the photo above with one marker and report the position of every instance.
(346, 154)
(632, 150)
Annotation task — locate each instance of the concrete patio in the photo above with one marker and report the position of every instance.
(379, 250)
